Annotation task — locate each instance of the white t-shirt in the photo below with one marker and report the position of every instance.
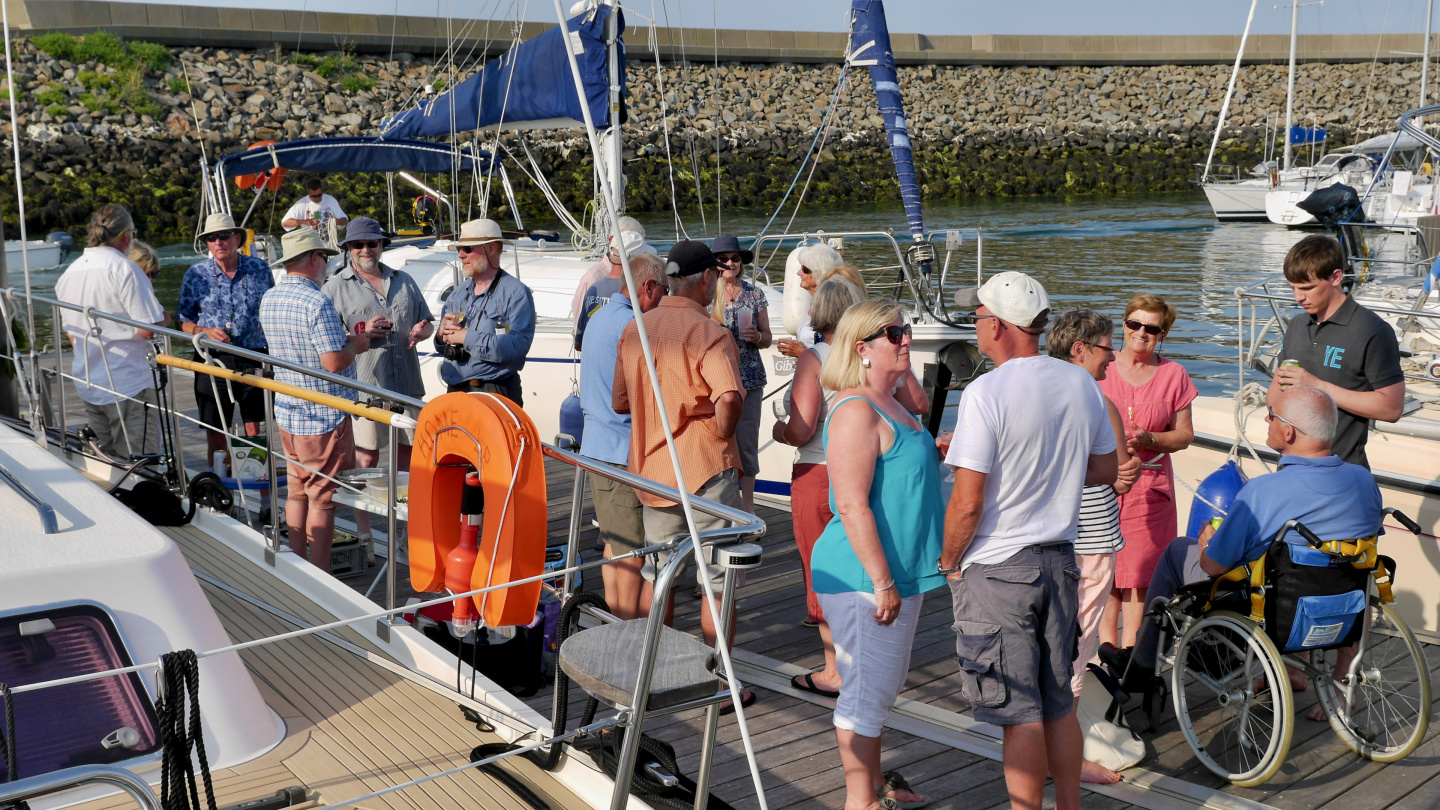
(1031, 426)
(102, 278)
(327, 208)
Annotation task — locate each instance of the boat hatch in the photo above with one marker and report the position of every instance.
(102, 721)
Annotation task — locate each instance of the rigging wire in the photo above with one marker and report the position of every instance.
(665, 121)
(19, 172)
(715, 89)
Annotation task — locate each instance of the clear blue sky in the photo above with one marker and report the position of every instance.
(937, 16)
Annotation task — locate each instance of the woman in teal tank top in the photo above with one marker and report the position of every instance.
(877, 556)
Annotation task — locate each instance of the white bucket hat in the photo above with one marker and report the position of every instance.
(301, 241)
(478, 232)
(217, 223)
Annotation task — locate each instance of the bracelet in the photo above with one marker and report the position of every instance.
(887, 587)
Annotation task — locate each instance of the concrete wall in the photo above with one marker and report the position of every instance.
(213, 26)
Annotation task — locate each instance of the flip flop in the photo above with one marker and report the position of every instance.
(894, 781)
(806, 683)
(747, 699)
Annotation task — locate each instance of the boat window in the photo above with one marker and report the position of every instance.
(1329, 160)
(95, 722)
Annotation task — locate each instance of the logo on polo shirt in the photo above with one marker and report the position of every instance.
(1333, 355)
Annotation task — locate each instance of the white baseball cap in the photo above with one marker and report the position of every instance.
(634, 244)
(1015, 297)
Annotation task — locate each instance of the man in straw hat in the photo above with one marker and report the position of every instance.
(304, 329)
(220, 297)
(1010, 532)
(489, 321)
(368, 291)
(111, 369)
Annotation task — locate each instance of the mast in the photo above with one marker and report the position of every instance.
(1230, 91)
(617, 179)
(1425, 61)
(1290, 87)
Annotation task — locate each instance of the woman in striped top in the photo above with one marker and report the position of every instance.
(1084, 337)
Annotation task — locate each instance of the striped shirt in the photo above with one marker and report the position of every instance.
(302, 324)
(392, 364)
(1099, 521)
(697, 363)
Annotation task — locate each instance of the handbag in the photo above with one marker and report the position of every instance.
(1109, 740)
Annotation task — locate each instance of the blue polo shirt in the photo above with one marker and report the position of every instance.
(1334, 499)
(607, 433)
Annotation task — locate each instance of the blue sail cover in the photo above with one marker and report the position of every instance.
(529, 87)
(351, 155)
(1305, 136)
(870, 45)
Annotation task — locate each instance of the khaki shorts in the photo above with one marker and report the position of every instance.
(618, 510)
(664, 522)
(370, 435)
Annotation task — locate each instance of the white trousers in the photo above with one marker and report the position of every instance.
(873, 659)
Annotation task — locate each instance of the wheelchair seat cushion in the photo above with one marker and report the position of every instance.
(1309, 607)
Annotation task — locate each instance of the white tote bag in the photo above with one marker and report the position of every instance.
(1108, 740)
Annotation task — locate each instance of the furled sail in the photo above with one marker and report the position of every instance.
(529, 87)
(870, 45)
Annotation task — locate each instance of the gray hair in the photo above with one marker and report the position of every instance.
(647, 267)
(833, 298)
(680, 285)
(821, 259)
(1084, 325)
(107, 224)
(1311, 411)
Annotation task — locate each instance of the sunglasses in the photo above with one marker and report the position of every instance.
(367, 244)
(727, 258)
(1147, 328)
(1270, 415)
(152, 276)
(891, 333)
(805, 270)
(469, 248)
(216, 237)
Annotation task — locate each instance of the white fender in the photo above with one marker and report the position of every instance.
(797, 299)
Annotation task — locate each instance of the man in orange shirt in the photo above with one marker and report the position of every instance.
(699, 371)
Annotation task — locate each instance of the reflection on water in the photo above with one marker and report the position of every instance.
(1097, 253)
(1088, 251)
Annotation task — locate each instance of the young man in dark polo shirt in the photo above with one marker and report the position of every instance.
(1343, 349)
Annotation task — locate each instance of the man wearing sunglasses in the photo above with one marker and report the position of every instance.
(220, 298)
(1341, 348)
(1031, 434)
(489, 321)
(315, 209)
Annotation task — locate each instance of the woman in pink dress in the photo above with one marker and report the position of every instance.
(1153, 395)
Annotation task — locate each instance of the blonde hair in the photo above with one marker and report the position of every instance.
(832, 300)
(144, 256)
(850, 274)
(842, 368)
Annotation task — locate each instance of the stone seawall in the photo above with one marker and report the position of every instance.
(92, 132)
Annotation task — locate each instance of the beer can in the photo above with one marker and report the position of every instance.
(1284, 363)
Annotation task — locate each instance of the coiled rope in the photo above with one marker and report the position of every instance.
(180, 679)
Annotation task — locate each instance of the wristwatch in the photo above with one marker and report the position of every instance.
(939, 566)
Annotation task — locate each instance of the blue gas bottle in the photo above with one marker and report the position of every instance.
(1219, 488)
(572, 419)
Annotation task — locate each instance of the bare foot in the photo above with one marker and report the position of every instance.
(906, 796)
(1317, 713)
(1298, 681)
(1097, 773)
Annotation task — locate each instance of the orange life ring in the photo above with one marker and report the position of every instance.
(456, 432)
(269, 179)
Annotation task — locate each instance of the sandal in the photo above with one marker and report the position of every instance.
(747, 699)
(893, 782)
(806, 683)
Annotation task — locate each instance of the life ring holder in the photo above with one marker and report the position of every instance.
(456, 433)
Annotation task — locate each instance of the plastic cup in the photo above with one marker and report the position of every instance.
(744, 319)
(781, 408)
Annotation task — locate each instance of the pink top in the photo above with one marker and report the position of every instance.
(1148, 520)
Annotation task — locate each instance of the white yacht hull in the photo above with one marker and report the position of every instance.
(1238, 201)
(42, 255)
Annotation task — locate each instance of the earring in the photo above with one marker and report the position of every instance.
(865, 361)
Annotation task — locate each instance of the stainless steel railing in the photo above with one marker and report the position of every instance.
(35, 787)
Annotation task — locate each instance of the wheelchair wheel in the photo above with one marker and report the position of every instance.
(1388, 706)
(1232, 698)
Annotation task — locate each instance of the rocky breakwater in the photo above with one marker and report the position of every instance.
(101, 120)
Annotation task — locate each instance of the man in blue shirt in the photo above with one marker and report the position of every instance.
(489, 321)
(607, 436)
(1334, 499)
(220, 297)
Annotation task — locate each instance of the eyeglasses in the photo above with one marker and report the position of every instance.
(727, 258)
(1148, 328)
(1106, 349)
(979, 318)
(891, 333)
(216, 237)
(1271, 415)
(375, 243)
(804, 270)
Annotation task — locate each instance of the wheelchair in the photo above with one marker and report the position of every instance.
(1227, 643)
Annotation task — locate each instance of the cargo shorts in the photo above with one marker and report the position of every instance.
(1017, 635)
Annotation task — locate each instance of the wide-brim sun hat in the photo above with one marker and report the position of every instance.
(729, 244)
(479, 232)
(301, 241)
(217, 223)
(364, 229)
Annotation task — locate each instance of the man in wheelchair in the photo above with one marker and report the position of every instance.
(1332, 498)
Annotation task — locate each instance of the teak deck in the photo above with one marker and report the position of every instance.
(943, 753)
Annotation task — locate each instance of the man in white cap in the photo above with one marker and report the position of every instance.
(1010, 531)
(220, 297)
(304, 328)
(600, 291)
(607, 264)
(489, 321)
